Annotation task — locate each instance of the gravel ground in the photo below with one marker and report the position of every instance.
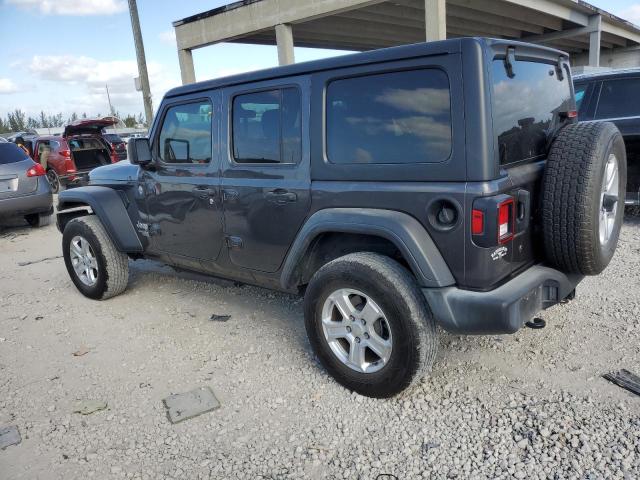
(529, 405)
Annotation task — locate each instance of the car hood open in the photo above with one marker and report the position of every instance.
(89, 126)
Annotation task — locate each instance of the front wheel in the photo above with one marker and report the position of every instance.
(94, 264)
(369, 324)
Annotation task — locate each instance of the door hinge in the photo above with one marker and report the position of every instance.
(232, 242)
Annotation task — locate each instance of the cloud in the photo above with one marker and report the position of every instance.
(72, 7)
(428, 101)
(168, 37)
(91, 76)
(7, 86)
(632, 13)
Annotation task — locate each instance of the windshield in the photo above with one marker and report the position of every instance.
(526, 108)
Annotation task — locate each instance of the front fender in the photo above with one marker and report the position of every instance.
(404, 231)
(109, 208)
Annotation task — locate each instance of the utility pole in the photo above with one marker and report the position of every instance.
(111, 110)
(142, 62)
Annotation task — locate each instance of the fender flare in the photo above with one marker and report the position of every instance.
(109, 207)
(404, 231)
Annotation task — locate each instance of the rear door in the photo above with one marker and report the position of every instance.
(619, 102)
(265, 177)
(182, 187)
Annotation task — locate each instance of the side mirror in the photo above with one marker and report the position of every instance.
(139, 151)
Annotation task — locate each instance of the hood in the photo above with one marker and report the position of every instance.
(121, 172)
(89, 126)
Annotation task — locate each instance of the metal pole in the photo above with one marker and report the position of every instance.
(142, 62)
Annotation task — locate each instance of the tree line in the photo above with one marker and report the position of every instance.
(18, 120)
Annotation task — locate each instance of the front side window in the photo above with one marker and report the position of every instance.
(389, 118)
(619, 98)
(267, 127)
(185, 136)
(527, 107)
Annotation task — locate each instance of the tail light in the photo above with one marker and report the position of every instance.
(505, 221)
(477, 222)
(65, 153)
(493, 220)
(36, 171)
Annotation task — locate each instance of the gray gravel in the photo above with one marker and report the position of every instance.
(529, 405)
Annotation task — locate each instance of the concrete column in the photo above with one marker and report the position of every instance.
(284, 37)
(187, 71)
(595, 22)
(435, 16)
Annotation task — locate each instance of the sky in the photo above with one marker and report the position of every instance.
(58, 55)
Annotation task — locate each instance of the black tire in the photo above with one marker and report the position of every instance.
(38, 220)
(54, 180)
(571, 197)
(395, 291)
(112, 265)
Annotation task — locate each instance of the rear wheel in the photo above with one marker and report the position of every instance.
(94, 264)
(583, 197)
(54, 180)
(369, 324)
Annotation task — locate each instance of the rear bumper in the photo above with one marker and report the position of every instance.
(504, 309)
(41, 201)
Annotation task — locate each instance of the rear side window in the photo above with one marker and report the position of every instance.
(267, 127)
(526, 108)
(389, 118)
(11, 153)
(185, 136)
(619, 98)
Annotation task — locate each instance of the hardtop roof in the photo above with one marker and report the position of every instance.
(608, 74)
(402, 52)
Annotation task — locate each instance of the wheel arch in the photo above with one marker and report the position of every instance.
(108, 206)
(334, 232)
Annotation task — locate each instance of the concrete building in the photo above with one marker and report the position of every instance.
(592, 36)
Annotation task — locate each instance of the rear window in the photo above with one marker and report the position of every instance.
(619, 98)
(390, 118)
(112, 137)
(11, 153)
(526, 107)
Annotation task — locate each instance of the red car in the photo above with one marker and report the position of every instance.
(69, 158)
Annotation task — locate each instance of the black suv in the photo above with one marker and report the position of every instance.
(442, 183)
(614, 96)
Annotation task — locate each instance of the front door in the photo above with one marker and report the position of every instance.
(182, 187)
(265, 180)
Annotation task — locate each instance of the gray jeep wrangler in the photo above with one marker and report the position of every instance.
(445, 183)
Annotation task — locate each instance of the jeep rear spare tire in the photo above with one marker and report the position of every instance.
(583, 197)
(369, 324)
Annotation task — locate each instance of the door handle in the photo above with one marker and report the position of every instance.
(281, 196)
(204, 192)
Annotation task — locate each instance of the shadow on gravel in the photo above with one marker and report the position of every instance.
(270, 305)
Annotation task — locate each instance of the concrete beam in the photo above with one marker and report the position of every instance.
(187, 70)
(257, 16)
(595, 37)
(510, 11)
(284, 39)
(549, 37)
(435, 19)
